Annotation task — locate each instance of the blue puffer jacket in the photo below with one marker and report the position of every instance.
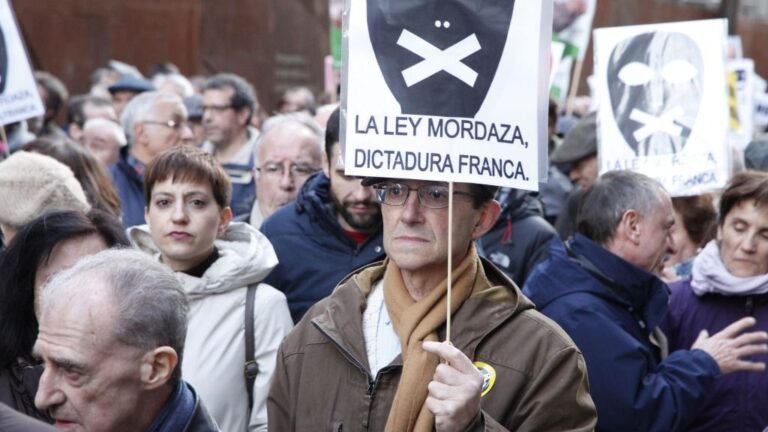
(130, 189)
(609, 307)
(314, 253)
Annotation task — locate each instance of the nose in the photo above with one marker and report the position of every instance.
(186, 133)
(206, 115)
(179, 215)
(749, 244)
(287, 182)
(48, 394)
(412, 210)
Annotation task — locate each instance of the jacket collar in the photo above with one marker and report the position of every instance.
(636, 288)
(478, 316)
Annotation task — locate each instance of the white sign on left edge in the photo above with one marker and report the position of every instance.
(447, 90)
(19, 99)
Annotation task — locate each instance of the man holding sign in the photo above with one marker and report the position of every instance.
(368, 356)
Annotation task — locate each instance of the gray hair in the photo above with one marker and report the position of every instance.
(149, 301)
(179, 81)
(301, 119)
(139, 109)
(114, 129)
(613, 194)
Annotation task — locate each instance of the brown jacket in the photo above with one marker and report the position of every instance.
(322, 381)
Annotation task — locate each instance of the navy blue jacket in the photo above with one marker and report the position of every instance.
(520, 238)
(314, 253)
(609, 307)
(130, 189)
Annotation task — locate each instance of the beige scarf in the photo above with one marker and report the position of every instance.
(418, 321)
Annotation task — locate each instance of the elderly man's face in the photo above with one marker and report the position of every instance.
(288, 155)
(416, 237)
(656, 237)
(91, 381)
(165, 128)
(102, 142)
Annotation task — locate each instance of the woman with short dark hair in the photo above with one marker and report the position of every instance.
(729, 281)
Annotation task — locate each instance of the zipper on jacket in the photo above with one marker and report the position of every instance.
(372, 384)
(347, 355)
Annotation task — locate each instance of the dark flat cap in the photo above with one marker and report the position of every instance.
(131, 83)
(579, 142)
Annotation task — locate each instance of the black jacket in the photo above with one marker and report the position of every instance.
(520, 238)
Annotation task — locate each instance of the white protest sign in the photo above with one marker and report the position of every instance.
(19, 99)
(663, 108)
(572, 25)
(447, 90)
(742, 105)
(555, 57)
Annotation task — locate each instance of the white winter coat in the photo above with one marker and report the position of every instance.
(214, 352)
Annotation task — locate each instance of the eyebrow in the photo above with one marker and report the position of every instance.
(68, 364)
(186, 194)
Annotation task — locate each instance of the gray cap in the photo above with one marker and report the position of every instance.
(580, 142)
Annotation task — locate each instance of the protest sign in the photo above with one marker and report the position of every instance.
(663, 108)
(572, 26)
(19, 99)
(446, 90)
(741, 104)
(556, 56)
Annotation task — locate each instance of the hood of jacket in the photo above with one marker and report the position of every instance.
(246, 257)
(520, 204)
(590, 268)
(314, 198)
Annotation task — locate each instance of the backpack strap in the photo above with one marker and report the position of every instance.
(251, 368)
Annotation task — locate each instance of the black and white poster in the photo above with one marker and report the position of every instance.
(447, 90)
(19, 99)
(663, 103)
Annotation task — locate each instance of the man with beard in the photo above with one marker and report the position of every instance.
(332, 228)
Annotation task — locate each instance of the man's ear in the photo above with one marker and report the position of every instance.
(243, 116)
(138, 133)
(629, 226)
(157, 366)
(225, 217)
(489, 214)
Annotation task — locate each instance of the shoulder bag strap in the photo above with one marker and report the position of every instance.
(251, 368)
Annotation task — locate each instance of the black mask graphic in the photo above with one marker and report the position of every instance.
(3, 62)
(439, 57)
(655, 84)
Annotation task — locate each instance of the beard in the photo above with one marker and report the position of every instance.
(367, 222)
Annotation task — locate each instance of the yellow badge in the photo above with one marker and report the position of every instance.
(489, 376)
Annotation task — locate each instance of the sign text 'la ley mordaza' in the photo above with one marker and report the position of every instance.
(439, 127)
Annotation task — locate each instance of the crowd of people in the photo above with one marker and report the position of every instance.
(175, 259)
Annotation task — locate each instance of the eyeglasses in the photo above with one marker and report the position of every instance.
(278, 170)
(216, 108)
(434, 196)
(172, 124)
